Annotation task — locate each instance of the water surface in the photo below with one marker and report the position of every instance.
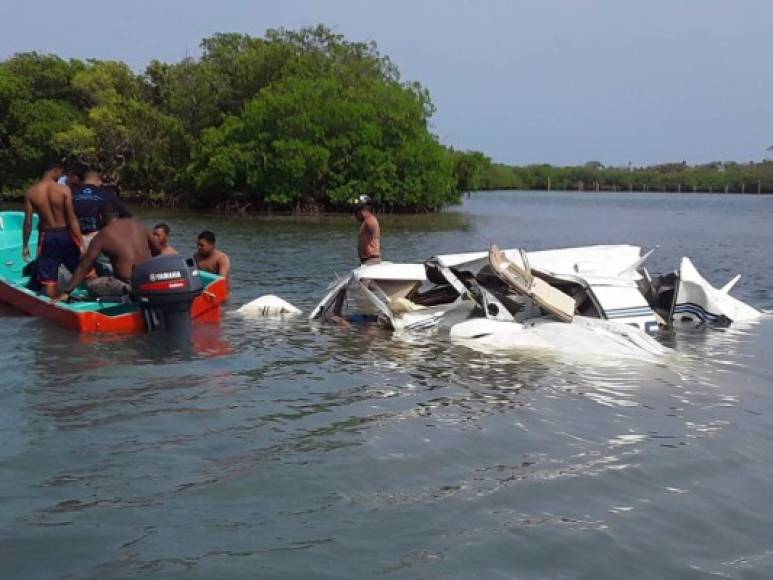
(294, 451)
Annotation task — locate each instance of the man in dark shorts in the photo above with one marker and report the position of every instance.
(126, 242)
(60, 234)
(88, 198)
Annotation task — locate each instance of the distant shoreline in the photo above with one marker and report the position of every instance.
(763, 191)
(717, 177)
(15, 202)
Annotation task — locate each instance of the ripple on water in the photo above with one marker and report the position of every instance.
(282, 449)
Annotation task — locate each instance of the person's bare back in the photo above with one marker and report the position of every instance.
(125, 241)
(48, 199)
(53, 204)
(60, 240)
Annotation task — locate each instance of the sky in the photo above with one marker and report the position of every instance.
(524, 81)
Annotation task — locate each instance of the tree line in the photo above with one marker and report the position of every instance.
(716, 177)
(295, 120)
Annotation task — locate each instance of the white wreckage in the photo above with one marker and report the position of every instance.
(595, 300)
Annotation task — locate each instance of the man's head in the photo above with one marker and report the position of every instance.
(54, 169)
(108, 212)
(161, 233)
(206, 243)
(79, 170)
(92, 177)
(364, 208)
(73, 175)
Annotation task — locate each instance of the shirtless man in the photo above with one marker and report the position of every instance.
(126, 242)
(60, 233)
(210, 259)
(161, 233)
(369, 239)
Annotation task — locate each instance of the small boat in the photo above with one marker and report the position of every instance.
(84, 314)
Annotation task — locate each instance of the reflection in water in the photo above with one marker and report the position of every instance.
(275, 448)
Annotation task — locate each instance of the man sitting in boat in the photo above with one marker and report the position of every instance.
(88, 198)
(126, 242)
(210, 259)
(60, 233)
(161, 233)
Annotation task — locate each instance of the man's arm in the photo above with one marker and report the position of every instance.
(71, 218)
(223, 265)
(374, 228)
(27, 229)
(84, 267)
(122, 210)
(153, 245)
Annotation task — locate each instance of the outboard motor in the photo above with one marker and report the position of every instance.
(165, 287)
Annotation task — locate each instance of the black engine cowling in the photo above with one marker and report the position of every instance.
(165, 287)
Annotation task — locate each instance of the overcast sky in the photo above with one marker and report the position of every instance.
(524, 81)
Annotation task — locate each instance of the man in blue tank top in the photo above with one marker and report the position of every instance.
(88, 200)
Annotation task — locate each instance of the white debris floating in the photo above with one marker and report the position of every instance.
(267, 307)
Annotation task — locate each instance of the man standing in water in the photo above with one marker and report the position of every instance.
(369, 239)
(210, 259)
(126, 242)
(161, 233)
(60, 233)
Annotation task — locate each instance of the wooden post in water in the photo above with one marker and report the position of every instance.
(679, 188)
(548, 183)
(759, 186)
(743, 188)
(726, 187)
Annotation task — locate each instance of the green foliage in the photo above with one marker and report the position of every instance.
(297, 119)
(36, 101)
(107, 82)
(321, 141)
(130, 141)
(29, 130)
(469, 167)
(45, 76)
(717, 177)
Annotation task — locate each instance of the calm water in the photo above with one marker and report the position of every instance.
(274, 450)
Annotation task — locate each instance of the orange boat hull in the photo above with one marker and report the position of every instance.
(206, 308)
